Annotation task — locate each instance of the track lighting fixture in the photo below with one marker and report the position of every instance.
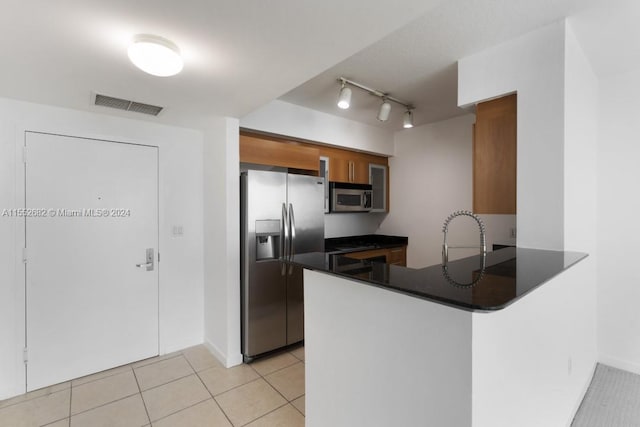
(385, 110)
(407, 119)
(344, 101)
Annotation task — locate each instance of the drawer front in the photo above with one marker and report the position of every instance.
(397, 256)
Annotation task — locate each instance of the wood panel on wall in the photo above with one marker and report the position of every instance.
(495, 156)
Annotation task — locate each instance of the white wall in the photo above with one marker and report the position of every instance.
(533, 360)
(430, 177)
(181, 272)
(533, 66)
(557, 131)
(222, 239)
(378, 358)
(580, 191)
(283, 118)
(619, 226)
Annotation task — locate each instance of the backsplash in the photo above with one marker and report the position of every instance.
(351, 224)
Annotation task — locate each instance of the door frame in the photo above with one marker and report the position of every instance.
(20, 285)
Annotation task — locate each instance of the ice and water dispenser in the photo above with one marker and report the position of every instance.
(267, 239)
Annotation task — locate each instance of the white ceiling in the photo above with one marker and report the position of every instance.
(417, 63)
(239, 55)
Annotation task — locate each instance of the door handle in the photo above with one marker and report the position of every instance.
(292, 246)
(150, 261)
(284, 246)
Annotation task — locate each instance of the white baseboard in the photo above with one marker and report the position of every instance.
(620, 364)
(585, 388)
(227, 361)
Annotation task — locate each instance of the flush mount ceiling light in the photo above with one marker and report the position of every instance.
(344, 100)
(407, 119)
(155, 55)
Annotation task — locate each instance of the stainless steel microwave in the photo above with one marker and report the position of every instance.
(346, 197)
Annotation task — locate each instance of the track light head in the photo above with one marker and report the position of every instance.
(407, 120)
(385, 110)
(344, 99)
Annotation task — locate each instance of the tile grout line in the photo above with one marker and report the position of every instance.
(31, 399)
(70, 401)
(264, 415)
(56, 421)
(101, 378)
(25, 400)
(180, 410)
(141, 396)
(277, 370)
(168, 382)
(208, 391)
(174, 356)
(104, 404)
(277, 391)
(162, 358)
(296, 408)
(171, 381)
(273, 387)
(130, 365)
(252, 381)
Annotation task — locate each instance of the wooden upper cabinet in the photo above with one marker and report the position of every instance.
(343, 165)
(275, 152)
(350, 166)
(495, 156)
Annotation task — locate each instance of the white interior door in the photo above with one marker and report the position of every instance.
(89, 307)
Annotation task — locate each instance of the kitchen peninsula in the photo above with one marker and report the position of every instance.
(484, 341)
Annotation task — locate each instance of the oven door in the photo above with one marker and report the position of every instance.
(350, 199)
(345, 200)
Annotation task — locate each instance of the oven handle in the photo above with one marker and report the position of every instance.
(366, 200)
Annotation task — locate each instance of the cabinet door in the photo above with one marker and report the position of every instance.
(340, 167)
(360, 169)
(398, 256)
(494, 157)
(378, 181)
(263, 151)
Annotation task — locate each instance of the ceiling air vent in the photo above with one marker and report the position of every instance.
(124, 104)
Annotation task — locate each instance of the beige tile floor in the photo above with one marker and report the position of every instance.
(189, 388)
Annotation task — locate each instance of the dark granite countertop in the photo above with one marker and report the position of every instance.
(507, 276)
(338, 245)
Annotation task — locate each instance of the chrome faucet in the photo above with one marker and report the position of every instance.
(445, 229)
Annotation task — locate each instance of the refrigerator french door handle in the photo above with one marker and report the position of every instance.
(284, 246)
(292, 244)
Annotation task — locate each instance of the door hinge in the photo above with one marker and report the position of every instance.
(24, 154)
(25, 355)
(24, 255)
(158, 256)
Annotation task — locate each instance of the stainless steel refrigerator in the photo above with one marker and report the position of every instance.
(281, 215)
